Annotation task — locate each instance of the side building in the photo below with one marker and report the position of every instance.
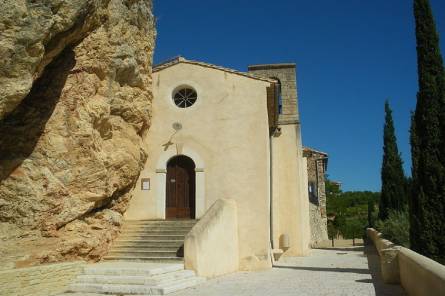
(317, 163)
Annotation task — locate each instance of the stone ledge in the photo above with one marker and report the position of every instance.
(418, 275)
(43, 280)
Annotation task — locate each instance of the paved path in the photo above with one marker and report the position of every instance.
(340, 271)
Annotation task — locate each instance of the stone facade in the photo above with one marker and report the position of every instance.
(316, 167)
(287, 78)
(227, 135)
(289, 200)
(41, 280)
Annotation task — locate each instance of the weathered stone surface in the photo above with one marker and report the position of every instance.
(75, 94)
(44, 280)
(316, 170)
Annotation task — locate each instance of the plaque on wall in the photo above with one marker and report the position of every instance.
(145, 184)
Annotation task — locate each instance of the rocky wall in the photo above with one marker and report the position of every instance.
(75, 101)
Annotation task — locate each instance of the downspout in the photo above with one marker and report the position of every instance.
(316, 180)
(271, 195)
(275, 132)
(271, 135)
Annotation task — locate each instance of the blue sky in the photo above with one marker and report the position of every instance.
(351, 55)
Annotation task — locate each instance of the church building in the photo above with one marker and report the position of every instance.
(218, 133)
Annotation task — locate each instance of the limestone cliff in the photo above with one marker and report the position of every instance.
(75, 95)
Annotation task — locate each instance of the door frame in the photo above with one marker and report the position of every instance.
(161, 179)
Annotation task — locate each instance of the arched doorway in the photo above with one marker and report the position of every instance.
(180, 188)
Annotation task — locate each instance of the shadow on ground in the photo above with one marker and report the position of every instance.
(373, 270)
(356, 248)
(381, 289)
(353, 270)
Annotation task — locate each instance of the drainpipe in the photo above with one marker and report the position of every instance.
(271, 194)
(276, 133)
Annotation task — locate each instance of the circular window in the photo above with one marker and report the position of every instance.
(185, 97)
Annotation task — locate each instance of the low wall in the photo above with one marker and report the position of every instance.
(211, 247)
(379, 242)
(389, 263)
(43, 280)
(418, 275)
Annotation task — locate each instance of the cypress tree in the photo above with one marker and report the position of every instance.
(427, 203)
(393, 193)
(370, 213)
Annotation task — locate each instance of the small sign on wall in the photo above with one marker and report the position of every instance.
(145, 184)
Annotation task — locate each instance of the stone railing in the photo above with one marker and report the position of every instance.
(418, 275)
(211, 247)
(42, 280)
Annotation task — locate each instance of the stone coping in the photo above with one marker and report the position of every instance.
(418, 275)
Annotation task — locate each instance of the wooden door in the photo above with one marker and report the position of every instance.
(180, 189)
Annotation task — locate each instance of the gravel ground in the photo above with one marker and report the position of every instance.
(340, 271)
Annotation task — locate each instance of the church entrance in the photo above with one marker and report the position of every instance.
(180, 203)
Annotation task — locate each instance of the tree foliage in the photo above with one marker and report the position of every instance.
(348, 212)
(393, 194)
(427, 203)
(396, 227)
(371, 213)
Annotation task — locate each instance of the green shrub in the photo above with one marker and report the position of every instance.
(396, 227)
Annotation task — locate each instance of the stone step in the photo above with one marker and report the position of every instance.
(155, 232)
(132, 248)
(163, 220)
(170, 277)
(143, 253)
(80, 294)
(151, 236)
(131, 268)
(144, 259)
(151, 230)
(135, 289)
(145, 226)
(162, 279)
(182, 285)
(162, 223)
(150, 227)
(148, 243)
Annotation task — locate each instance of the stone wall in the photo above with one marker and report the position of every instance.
(44, 280)
(316, 168)
(417, 274)
(286, 74)
(243, 136)
(215, 234)
(289, 201)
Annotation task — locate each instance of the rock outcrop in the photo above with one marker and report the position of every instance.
(75, 95)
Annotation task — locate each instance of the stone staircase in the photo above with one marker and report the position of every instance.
(146, 259)
(151, 240)
(132, 278)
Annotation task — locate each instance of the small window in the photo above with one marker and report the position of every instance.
(185, 97)
(280, 98)
(313, 194)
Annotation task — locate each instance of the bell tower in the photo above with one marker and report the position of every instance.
(287, 95)
(290, 229)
